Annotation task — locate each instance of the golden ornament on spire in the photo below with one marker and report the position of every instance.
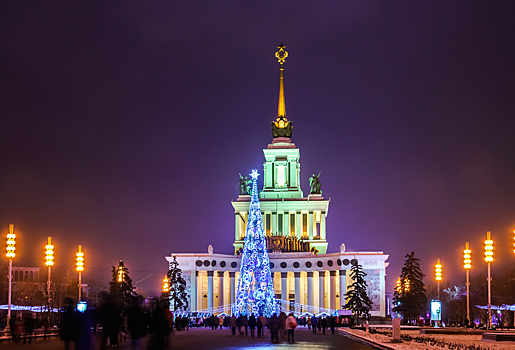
(281, 127)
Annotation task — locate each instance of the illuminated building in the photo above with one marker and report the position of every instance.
(305, 276)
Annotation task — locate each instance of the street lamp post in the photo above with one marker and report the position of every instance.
(467, 264)
(80, 268)
(10, 254)
(489, 257)
(49, 263)
(438, 275)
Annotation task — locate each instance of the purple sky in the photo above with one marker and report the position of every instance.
(124, 125)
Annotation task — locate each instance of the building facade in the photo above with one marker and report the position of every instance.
(306, 277)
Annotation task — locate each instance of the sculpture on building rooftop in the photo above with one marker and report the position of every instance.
(315, 184)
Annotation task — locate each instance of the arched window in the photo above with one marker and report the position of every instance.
(16, 275)
(36, 276)
(31, 276)
(26, 277)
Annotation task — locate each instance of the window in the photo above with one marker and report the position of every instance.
(304, 224)
(292, 224)
(280, 224)
(281, 178)
(268, 224)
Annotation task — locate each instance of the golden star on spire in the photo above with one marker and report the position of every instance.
(281, 54)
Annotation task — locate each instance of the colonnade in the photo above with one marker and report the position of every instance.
(320, 289)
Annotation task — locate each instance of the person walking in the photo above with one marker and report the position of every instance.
(233, 324)
(252, 324)
(282, 324)
(324, 324)
(332, 323)
(135, 325)
(309, 323)
(291, 324)
(274, 327)
(314, 323)
(70, 327)
(245, 323)
(259, 326)
(221, 321)
(263, 322)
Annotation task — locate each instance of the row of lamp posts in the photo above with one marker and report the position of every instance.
(467, 264)
(49, 262)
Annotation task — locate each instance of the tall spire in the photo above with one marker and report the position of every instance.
(281, 56)
(281, 127)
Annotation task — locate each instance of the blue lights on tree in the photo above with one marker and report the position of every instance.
(255, 288)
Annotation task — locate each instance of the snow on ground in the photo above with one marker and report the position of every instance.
(461, 339)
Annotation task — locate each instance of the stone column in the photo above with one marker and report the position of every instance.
(322, 225)
(210, 289)
(321, 292)
(221, 290)
(310, 291)
(310, 225)
(233, 287)
(193, 291)
(200, 295)
(298, 228)
(343, 288)
(298, 292)
(237, 220)
(284, 288)
(332, 296)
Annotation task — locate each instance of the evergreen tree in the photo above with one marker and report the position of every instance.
(120, 287)
(410, 295)
(255, 289)
(177, 294)
(357, 297)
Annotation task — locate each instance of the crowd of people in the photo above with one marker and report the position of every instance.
(115, 324)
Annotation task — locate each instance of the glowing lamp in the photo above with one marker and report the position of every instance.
(467, 263)
(11, 243)
(438, 270)
(489, 248)
(399, 288)
(121, 273)
(80, 260)
(49, 253)
(166, 286)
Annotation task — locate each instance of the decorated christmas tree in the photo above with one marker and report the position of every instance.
(255, 288)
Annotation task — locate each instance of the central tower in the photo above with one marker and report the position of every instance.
(298, 220)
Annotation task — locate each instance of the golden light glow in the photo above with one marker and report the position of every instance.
(438, 270)
(514, 243)
(49, 253)
(166, 286)
(467, 263)
(11, 243)
(80, 260)
(489, 248)
(121, 275)
(399, 285)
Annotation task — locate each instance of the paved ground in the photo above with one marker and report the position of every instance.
(203, 339)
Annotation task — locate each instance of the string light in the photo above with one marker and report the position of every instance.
(255, 289)
(121, 272)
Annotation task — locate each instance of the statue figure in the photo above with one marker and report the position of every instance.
(242, 185)
(315, 184)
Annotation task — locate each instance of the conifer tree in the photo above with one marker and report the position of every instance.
(120, 287)
(177, 294)
(357, 297)
(255, 289)
(410, 294)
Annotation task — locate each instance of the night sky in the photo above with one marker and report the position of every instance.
(124, 126)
